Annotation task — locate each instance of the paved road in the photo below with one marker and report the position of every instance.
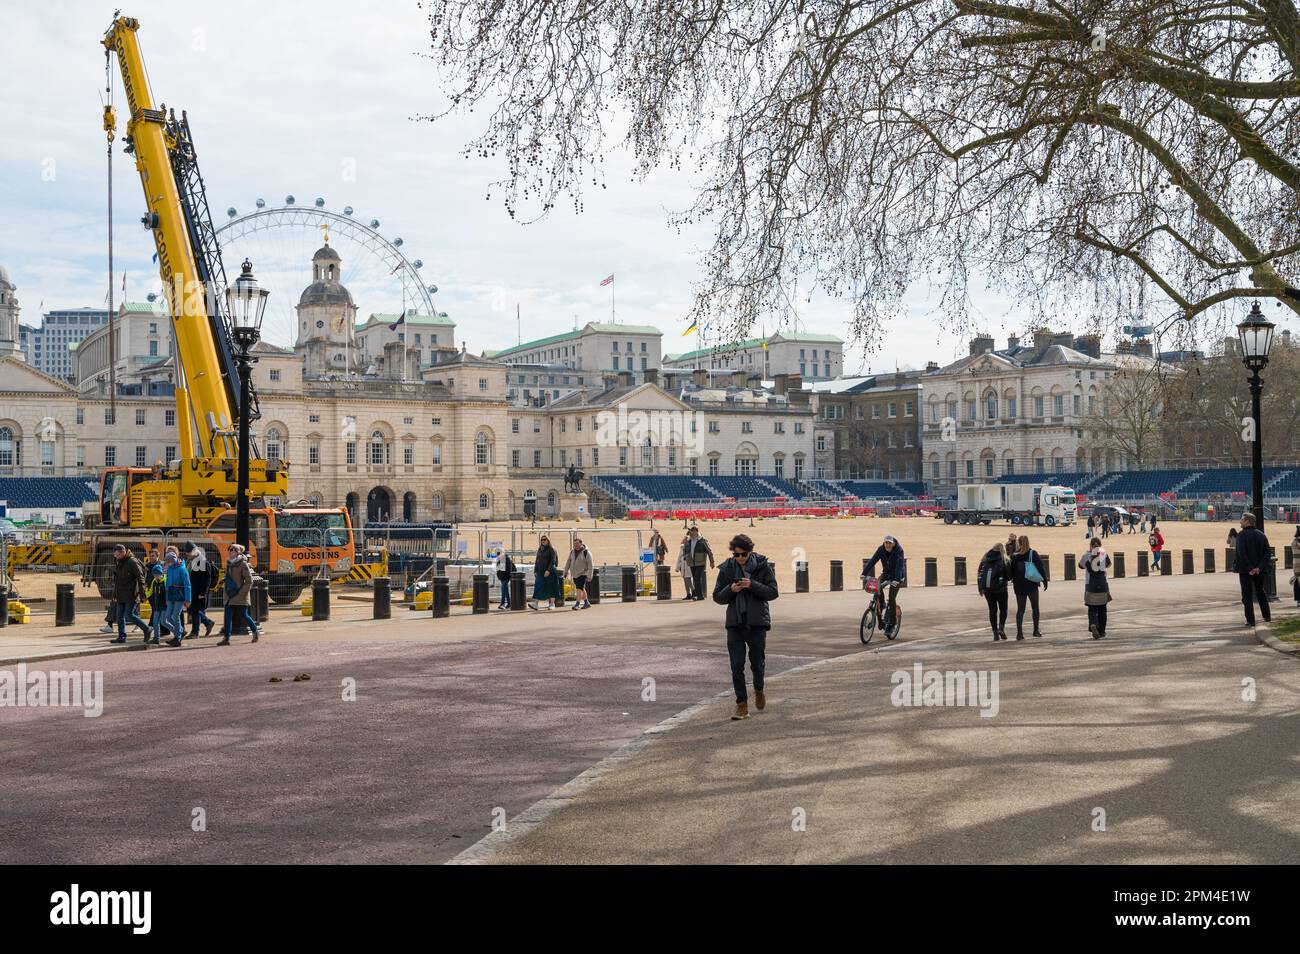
(1149, 726)
(457, 717)
(438, 737)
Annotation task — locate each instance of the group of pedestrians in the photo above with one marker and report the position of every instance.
(174, 586)
(1012, 567)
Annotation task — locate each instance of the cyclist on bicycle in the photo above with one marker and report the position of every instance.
(893, 574)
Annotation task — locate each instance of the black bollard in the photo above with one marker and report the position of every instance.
(1144, 563)
(260, 600)
(959, 571)
(1209, 559)
(931, 571)
(1117, 564)
(1047, 566)
(801, 576)
(4, 606)
(1229, 559)
(518, 591)
(1287, 558)
(837, 575)
(480, 593)
(1166, 563)
(320, 600)
(663, 582)
(441, 597)
(1071, 566)
(65, 604)
(593, 587)
(1270, 575)
(1188, 565)
(383, 598)
(629, 584)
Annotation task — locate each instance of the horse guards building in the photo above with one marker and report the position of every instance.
(390, 417)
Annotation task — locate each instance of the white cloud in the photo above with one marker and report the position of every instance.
(279, 96)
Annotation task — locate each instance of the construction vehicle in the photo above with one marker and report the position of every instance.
(196, 493)
(1022, 504)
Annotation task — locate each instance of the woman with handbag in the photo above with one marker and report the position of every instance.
(1027, 575)
(1096, 589)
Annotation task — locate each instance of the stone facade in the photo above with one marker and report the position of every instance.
(813, 357)
(1022, 409)
(596, 346)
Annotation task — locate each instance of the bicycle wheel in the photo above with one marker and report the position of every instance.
(898, 624)
(867, 628)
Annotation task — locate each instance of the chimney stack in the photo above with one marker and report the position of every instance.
(738, 379)
(779, 383)
(700, 377)
(932, 366)
(1013, 342)
(1042, 339)
(625, 379)
(980, 344)
(651, 376)
(1143, 347)
(1089, 345)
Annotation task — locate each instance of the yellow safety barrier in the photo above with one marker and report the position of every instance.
(423, 600)
(306, 606)
(19, 612)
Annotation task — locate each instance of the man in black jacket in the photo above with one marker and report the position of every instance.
(746, 584)
(1253, 558)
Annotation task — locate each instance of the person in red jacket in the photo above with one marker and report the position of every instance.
(1157, 541)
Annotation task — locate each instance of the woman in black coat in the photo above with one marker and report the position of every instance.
(546, 575)
(1026, 590)
(1096, 589)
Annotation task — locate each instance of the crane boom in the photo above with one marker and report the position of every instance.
(202, 347)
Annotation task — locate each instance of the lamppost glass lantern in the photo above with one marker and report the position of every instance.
(1256, 337)
(247, 303)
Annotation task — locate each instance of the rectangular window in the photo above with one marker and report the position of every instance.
(713, 427)
(934, 470)
(970, 409)
(275, 374)
(141, 456)
(595, 457)
(514, 458)
(169, 417)
(907, 409)
(313, 418)
(1038, 465)
(408, 455)
(970, 468)
(437, 453)
(1011, 407)
(482, 384)
(798, 427)
(746, 427)
(110, 455)
(1076, 406)
(1038, 406)
(1058, 405)
(778, 427)
(713, 466)
(139, 417)
(81, 415)
(537, 458)
(313, 453)
(81, 456)
(514, 425)
(1009, 466)
(952, 469)
(350, 452)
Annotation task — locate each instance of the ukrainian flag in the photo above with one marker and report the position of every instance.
(693, 326)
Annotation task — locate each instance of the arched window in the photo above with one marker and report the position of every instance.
(482, 501)
(379, 448)
(481, 448)
(436, 502)
(274, 444)
(9, 453)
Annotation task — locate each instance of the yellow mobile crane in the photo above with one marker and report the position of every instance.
(197, 491)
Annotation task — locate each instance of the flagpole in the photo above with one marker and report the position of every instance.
(612, 318)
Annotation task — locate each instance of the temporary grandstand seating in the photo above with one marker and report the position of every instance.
(64, 493)
(869, 489)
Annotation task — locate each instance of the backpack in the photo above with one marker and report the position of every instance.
(993, 573)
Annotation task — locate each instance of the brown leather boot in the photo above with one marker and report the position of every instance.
(742, 712)
(760, 700)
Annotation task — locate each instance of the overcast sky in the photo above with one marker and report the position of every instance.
(291, 98)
